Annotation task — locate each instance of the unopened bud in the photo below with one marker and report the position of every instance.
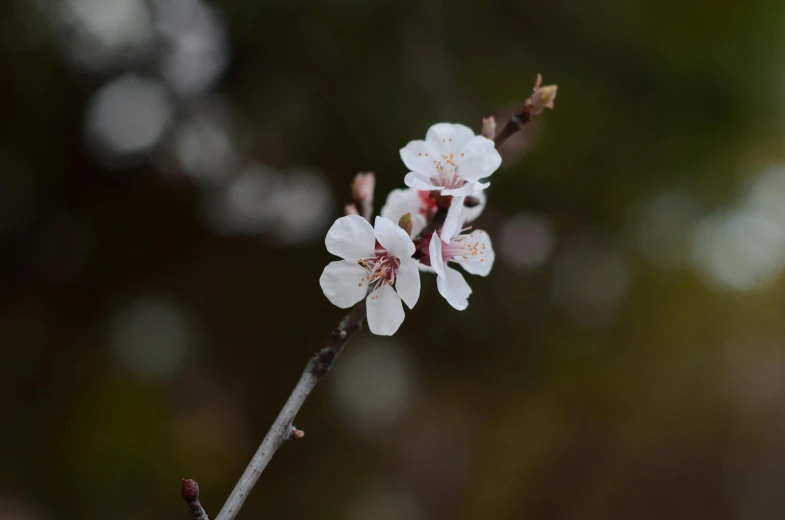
(190, 489)
(488, 127)
(363, 186)
(406, 223)
(542, 98)
(350, 209)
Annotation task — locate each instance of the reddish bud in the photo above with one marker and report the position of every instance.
(363, 186)
(190, 489)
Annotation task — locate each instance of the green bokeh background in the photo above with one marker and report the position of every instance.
(520, 410)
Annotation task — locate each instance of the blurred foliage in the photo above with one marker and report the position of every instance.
(670, 405)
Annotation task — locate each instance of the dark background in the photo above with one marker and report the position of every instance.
(168, 170)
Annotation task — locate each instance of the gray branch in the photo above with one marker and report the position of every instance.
(282, 430)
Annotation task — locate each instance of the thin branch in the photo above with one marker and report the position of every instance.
(282, 430)
(321, 362)
(541, 98)
(190, 493)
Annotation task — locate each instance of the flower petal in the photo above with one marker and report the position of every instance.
(419, 157)
(418, 224)
(400, 202)
(344, 283)
(419, 181)
(425, 268)
(466, 189)
(407, 282)
(480, 159)
(471, 214)
(385, 311)
(448, 137)
(393, 238)
(482, 263)
(454, 288)
(453, 220)
(435, 252)
(351, 238)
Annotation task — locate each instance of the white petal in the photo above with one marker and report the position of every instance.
(418, 156)
(480, 159)
(419, 181)
(454, 289)
(481, 263)
(407, 282)
(435, 253)
(425, 268)
(471, 214)
(466, 189)
(418, 224)
(393, 238)
(385, 311)
(344, 283)
(399, 203)
(351, 238)
(448, 137)
(453, 220)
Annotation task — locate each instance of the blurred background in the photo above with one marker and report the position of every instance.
(168, 169)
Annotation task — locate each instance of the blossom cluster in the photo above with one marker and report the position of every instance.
(421, 228)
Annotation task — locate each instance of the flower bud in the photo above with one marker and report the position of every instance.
(406, 223)
(363, 186)
(488, 127)
(541, 99)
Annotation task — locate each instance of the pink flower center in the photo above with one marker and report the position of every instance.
(382, 268)
(464, 248)
(447, 174)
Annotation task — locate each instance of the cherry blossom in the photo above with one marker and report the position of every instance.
(451, 160)
(422, 205)
(377, 265)
(472, 250)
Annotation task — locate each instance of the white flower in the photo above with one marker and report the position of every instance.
(386, 270)
(421, 205)
(451, 159)
(473, 251)
(400, 202)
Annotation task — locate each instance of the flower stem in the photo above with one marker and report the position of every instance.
(281, 430)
